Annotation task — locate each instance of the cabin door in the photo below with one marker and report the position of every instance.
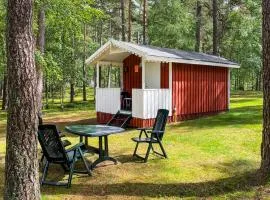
(132, 74)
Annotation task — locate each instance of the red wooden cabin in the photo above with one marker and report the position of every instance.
(188, 84)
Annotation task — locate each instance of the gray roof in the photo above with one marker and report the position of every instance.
(189, 55)
(179, 54)
(152, 53)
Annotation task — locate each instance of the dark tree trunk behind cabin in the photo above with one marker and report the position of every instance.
(21, 164)
(83, 67)
(265, 163)
(129, 20)
(41, 47)
(215, 27)
(123, 31)
(198, 25)
(145, 7)
(72, 92)
(46, 93)
(1, 89)
(5, 93)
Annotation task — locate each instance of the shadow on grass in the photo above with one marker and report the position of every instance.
(243, 182)
(237, 182)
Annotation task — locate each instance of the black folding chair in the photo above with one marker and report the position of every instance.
(156, 136)
(65, 142)
(55, 153)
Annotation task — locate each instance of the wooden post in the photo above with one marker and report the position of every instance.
(109, 77)
(97, 81)
(121, 76)
(170, 87)
(229, 87)
(143, 73)
(170, 75)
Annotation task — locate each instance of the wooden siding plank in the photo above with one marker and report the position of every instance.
(199, 89)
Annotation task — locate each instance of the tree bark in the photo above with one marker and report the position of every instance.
(215, 28)
(41, 47)
(265, 163)
(5, 94)
(145, 7)
(123, 31)
(21, 168)
(72, 92)
(198, 26)
(83, 67)
(129, 20)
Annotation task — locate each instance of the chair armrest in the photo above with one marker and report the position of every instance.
(155, 131)
(77, 146)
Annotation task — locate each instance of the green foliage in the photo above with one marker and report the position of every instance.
(171, 25)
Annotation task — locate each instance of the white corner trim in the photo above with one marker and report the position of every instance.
(143, 73)
(229, 88)
(97, 75)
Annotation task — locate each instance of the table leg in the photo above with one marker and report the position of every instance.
(81, 138)
(86, 141)
(103, 153)
(100, 145)
(106, 152)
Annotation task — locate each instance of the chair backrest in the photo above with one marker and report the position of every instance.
(51, 144)
(160, 122)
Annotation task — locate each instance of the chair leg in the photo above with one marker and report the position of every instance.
(148, 151)
(135, 151)
(85, 163)
(71, 169)
(162, 149)
(45, 172)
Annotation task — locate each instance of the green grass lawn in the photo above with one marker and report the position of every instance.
(215, 157)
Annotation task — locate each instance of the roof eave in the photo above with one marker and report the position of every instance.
(185, 61)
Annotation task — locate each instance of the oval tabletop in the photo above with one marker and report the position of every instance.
(93, 130)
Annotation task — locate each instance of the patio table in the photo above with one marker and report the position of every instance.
(100, 131)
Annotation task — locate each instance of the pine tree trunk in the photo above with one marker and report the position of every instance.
(72, 92)
(83, 67)
(123, 31)
(5, 94)
(215, 28)
(21, 168)
(41, 47)
(265, 163)
(145, 7)
(129, 20)
(198, 25)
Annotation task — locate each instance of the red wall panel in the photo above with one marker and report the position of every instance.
(164, 75)
(199, 89)
(131, 78)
